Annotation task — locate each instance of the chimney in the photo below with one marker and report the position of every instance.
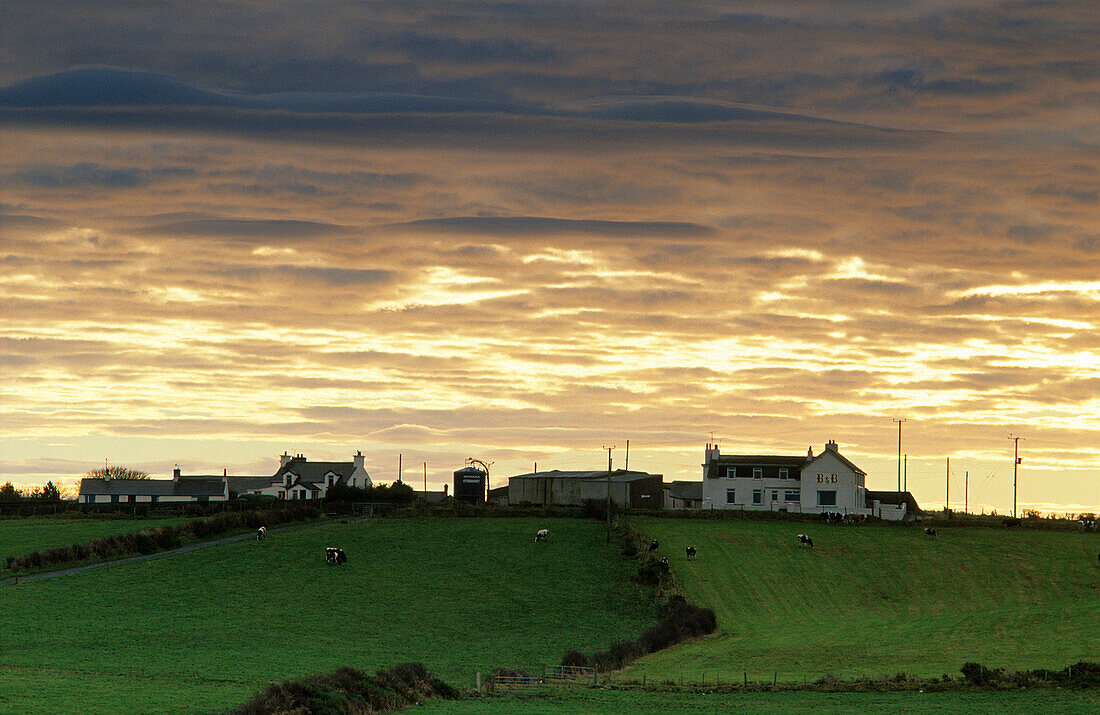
(358, 460)
(712, 454)
(445, 490)
(283, 459)
(810, 452)
(176, 474)
(831, 446)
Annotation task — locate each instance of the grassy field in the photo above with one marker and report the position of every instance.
(21, 536)
(203, 631)
(876, 599)
(627, 702)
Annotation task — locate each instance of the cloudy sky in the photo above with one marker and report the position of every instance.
(521, 231)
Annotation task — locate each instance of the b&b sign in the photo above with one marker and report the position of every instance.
(826, 478)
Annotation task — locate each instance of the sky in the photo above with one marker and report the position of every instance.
(528, 231)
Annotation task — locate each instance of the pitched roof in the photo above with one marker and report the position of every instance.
(619, 475)
(310, 474)
(754, 460)
(193, 487)
(242, 485)
(894, 498)
(685, 490)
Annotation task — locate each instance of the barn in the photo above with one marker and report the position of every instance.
(629, 489)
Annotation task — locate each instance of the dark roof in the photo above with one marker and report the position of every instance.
(433, 497)
(243, 485)
(619, 475)
(688, 490)
(894, 498)
(310, 474)
(192, 487)
(754, 460)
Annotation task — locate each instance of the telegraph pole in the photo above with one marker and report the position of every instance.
(1015, 465)
(899, 456)
(947, 499)
(966, 492)
(905, 474)
(607, 507)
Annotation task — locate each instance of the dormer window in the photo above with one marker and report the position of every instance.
(289, 479)
(757, 472)
(783, 473)
(731, 472)
(330, 480)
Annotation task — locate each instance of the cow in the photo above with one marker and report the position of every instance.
(855, 518)
(335, 556)
(832, 517)
(261, 533)
(654, 545)
(1087, 524)
(542, 535)
(804, 540)
(930, 532)
(664, 560)
(691, 553)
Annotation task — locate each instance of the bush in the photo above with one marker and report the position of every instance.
(351, 691)
(653, 573)
(978, 674)
(575, 659)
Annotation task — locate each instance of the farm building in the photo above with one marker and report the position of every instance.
(629, 489)
(801, 483)
(145, 491)
(470, 485)
(683, 495)
(297, 478)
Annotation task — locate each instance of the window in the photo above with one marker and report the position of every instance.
(826, 498)
(203, 499)
(154, 498)
(775, 496)
(114, 498)
(330, 480)
(791, 495)
(89, 498)
(783, 473)
(731, 472)
(757, 472)
(282, 494)
(757, 496)
(131, 499)
(731, 496)
(288, 478)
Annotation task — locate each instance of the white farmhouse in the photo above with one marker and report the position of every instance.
(828, 482)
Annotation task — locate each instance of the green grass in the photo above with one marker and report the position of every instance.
(878, 599)
(22, 536)
(634, 702)
(204, 631)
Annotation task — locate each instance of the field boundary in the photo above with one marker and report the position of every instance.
(14, 580)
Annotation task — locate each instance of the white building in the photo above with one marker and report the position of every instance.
(828, 482)
(297, 478)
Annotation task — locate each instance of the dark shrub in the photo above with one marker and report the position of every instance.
(1081, 675)
(978, 674)
(653, 573)
(575, 659)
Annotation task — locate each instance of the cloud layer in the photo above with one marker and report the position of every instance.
(452, 234)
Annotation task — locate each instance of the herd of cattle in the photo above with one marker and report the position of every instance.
(336, 556)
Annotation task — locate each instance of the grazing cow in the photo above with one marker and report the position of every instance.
(855, 518)
(804, 540)
(654, 545)
(542, 535)
(335, 556)
(691, 553)
(832, 517)
(1087, 524)
(664, 560)
(930, 532)
(261, 533)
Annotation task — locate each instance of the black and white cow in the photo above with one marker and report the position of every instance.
(804, 540)
(664, 560)
(930, 532)
(335, 556)
(832, 517)
(654, 545)
(691, 553)
(261, 533)
(542, 535)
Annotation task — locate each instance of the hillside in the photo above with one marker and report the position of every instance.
(205, 630)
(21, 536)
(877, 599)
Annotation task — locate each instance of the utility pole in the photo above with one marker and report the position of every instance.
(947, 499)
(399, 469)
(905, 475)
(1015, 465)
(607, 506)
(626, 466)
(966, 492)
(899, 421)
(425, 481)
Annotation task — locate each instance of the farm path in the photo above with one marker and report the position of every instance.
(160, 554)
